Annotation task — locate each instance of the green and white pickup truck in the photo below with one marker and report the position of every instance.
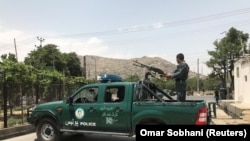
(113, 108)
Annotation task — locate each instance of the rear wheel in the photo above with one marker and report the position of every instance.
(47, 130)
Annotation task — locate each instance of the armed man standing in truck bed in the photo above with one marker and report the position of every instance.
(180, 75)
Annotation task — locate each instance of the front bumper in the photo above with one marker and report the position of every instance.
(30, 117)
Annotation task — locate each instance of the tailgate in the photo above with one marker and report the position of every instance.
(188, 112)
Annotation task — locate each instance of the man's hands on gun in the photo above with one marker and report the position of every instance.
(167, 75)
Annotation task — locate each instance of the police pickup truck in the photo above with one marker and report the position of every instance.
(113, 107)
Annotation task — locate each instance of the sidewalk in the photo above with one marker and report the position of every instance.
(222, 118)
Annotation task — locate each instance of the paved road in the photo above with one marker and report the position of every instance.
(207, 98)
(32, 137)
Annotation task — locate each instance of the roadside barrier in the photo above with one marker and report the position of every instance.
(212, 109)
(16, 131)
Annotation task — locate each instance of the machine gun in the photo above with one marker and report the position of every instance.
(147, 89)
(151, 70)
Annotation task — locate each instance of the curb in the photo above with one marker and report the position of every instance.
(16, 131)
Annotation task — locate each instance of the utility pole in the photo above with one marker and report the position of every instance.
(15, 49)
(41, 40)
(201, 69)
(198, 75)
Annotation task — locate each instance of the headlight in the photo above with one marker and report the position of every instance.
(31, 108)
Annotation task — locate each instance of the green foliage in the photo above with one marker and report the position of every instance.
(192, 84)
(23, 78)
(16, 72)
(10, 56)
(164, 84)
(72, 64)
(132, 78)
(76, 80)
(49, 57)
(170, 85)
(18, 108)
(210, 83)
(204, 84)
(226, 51)
(91, 81)
(15, 121)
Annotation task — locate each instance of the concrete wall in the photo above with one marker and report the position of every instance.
(242, 79)
(16, 131)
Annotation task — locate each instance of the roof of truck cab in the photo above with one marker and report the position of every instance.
(110, 83)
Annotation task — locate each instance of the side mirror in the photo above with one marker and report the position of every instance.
(70, 100)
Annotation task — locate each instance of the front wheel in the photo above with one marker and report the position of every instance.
(47, 130)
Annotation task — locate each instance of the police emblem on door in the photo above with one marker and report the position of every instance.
(79, 113)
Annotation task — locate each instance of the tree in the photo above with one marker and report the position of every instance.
(72, 63)
(37, 72)
(50, 58)
(192, 84)
(46, 57)
(226, 51)
(9, 56)
(211, 82)
(132, 78)
(164, 84)
(16, 75)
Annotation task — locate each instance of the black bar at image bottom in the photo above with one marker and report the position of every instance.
(195, 132)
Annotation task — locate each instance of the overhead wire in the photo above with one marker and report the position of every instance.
(143, 28)
(245, 22)
(164, 25)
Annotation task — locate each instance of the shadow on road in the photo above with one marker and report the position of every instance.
(94, 137)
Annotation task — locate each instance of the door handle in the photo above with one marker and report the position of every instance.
(92, 109)
(137, 103)
(118, 109)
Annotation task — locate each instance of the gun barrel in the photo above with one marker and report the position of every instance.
(137, 65)
(135, 61)
(151, 68)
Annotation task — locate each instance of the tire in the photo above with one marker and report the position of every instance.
(47, 130)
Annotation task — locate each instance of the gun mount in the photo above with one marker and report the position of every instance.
(151, 69)
(147, 89)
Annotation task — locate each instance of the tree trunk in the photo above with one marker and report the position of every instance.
(232, 80)
(21, 93)
(10, 105)
(225, 76)
(33, 94)
(221, 78)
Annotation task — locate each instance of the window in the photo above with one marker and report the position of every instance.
(114, 94)
(87, 95)
(246, 78)
(142, 94)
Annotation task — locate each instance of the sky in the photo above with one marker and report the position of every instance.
(122, 29)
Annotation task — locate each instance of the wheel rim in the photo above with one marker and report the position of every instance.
(47, 132)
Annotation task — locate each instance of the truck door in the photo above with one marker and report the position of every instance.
(115, 112)
(83, 114)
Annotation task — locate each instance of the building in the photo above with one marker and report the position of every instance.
(89, 64)
(242, 79)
